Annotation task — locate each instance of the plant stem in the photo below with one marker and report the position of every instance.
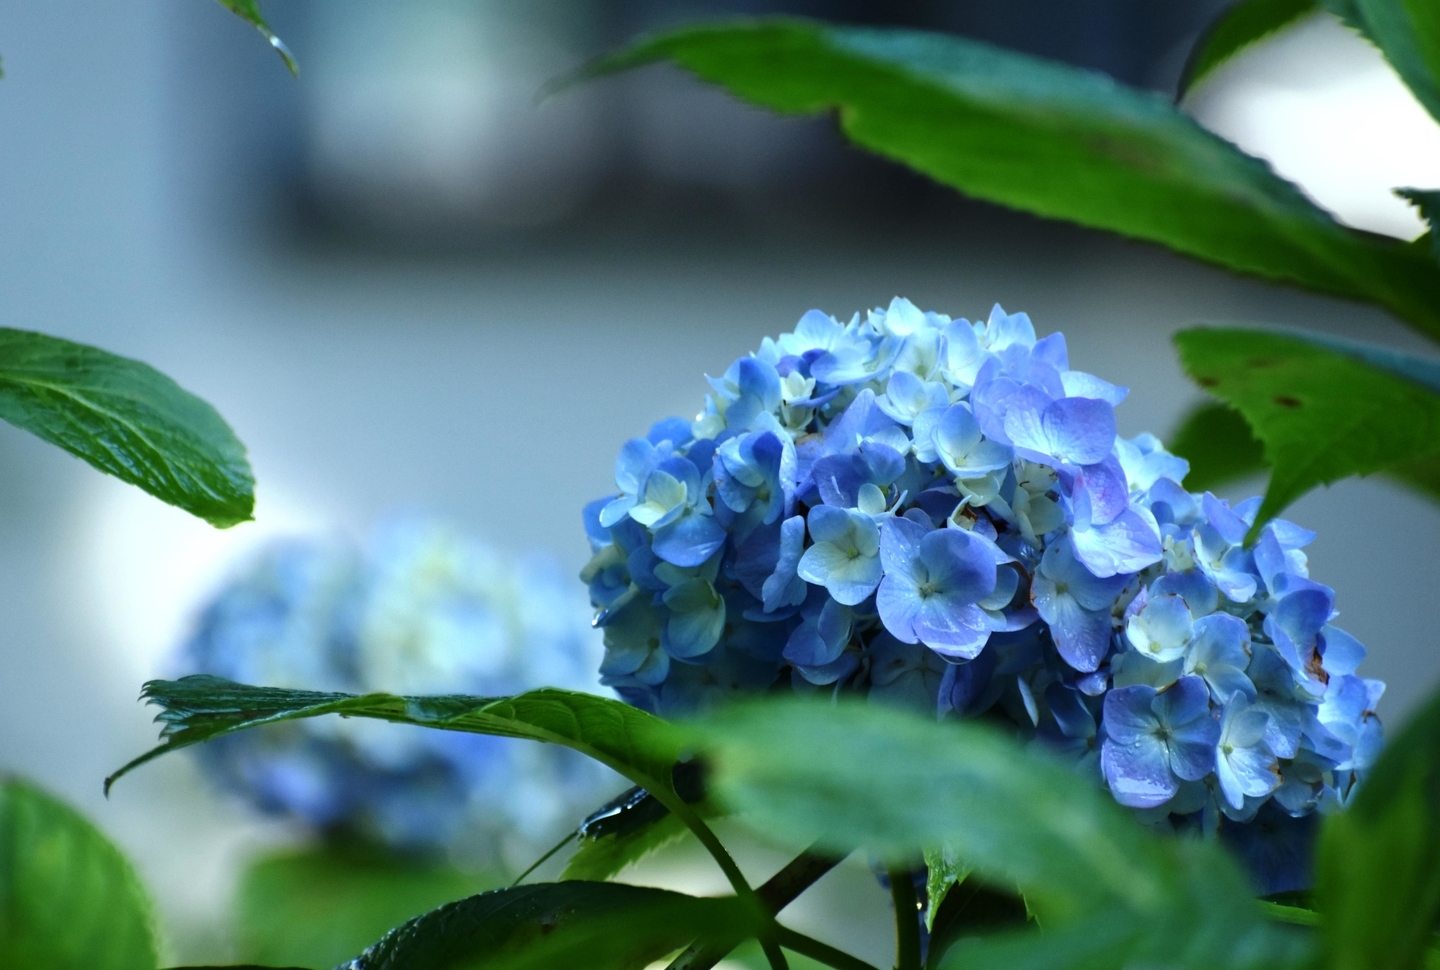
(717, 851)
(543, 859)
(823, 952)
(907, 918)
(779, 891)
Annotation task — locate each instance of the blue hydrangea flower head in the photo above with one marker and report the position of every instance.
(940, 513)
(419, 609)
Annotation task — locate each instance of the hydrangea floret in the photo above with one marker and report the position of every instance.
(419, 609)
(940, 514)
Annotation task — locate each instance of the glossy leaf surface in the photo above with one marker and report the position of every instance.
(68, 899)
(1378, 865)
(126, 419)
(1321, 414)
(249, 11)
(638, 745)
(1241, 25)
(555, 925)
(1052, 140)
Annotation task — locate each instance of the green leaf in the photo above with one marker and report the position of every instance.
(609, 855)
(1218, 444)
(639, 746)
(852, 774)
(943, 872)
(1428, 202)
(1378, 864)
(1243, 24)
(68, 898)
(1322, 414)
(317, 907)
(126, 419)
(249, 11)
(1408, 33)
(1052, 140)
(1420, 475)
(596, 925)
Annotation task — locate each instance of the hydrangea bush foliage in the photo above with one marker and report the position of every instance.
(940, 514)
(426, 610)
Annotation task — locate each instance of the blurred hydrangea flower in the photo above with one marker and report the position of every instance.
(940, 514)
(419, 610)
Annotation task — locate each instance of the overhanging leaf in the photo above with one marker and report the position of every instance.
(851, 774)
(1052, 140)
(249, 11)
(1219, 446)
(68, 898)
(319, 906)
(639, 746)
(126, 419)
(1378, 864)
(1408, 33)
(1321, 414)
(1241, 25)
(556, 925)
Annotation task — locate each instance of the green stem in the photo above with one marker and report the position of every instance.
(779, 891)
(543, 859)
(737, 879)
(821, 952)
(712, 845)
(907, 919)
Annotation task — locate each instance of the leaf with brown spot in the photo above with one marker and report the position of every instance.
(1365, 408)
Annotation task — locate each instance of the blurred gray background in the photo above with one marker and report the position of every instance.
(407, 284)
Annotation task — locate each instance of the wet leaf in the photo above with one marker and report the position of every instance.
(249, 11)
(128, 420)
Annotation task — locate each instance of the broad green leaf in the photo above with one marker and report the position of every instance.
(597, 925)
(1408, 33)
(607, 856)
(1052, 140)
(851, 774)
(1321, 414)
(1421, 475)
(1217, 443)
(639, 746)
(1428, 202)
(318, 907)
(68, 899)
(249, 11)
(1221, 450)
(1241, 25)
(1378, 864)
(126, 419)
